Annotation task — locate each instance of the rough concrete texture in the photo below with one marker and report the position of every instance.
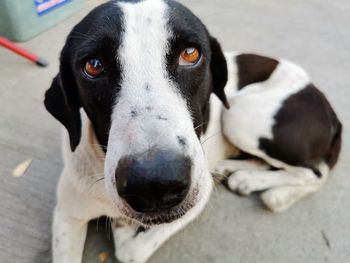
(313, 33)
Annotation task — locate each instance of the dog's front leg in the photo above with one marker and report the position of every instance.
(72, 214)
(68, 238)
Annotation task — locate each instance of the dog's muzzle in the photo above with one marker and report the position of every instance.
(155, 181)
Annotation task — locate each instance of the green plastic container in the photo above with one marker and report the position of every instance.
(21, 20)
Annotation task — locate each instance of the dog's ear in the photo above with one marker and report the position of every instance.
(218, 67)
(62, 102)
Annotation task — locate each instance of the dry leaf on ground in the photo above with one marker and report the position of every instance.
(103, 257)
(21, 168)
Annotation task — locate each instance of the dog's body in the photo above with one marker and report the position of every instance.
(278, 116)
(134, 152)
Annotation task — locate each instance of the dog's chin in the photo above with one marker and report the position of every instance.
(162, 217)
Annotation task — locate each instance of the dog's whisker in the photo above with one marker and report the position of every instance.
(98, 221)
(98, 180)
(218, 178)
(99, 145)
(210, 137)
(106, 226)
(109, 227)
(200, 125)
(97, 177)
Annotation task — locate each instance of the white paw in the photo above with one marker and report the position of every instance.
(130, 246)
(131, 252)
(242, 183)
(281, 198)
(278, 200)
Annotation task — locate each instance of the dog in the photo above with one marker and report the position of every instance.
(141, 92)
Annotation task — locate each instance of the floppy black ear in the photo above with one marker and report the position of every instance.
(65, 109)
(218, 67)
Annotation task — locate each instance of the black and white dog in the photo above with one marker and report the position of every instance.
(134, 93)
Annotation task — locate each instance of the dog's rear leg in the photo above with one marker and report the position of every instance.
(286, 186)
(247, 182)
(281, 198)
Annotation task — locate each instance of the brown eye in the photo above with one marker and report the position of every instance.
(189, 56)
(93, 68)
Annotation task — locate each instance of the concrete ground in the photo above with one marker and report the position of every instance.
(313, 33)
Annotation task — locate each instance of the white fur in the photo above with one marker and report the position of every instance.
(232, 73)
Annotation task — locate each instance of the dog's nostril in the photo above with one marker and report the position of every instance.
(135, 201)
(171, 197)
(154, 182)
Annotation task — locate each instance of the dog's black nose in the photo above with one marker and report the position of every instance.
(154, 182)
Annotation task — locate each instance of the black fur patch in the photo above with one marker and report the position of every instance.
(306, 131)
(254, 68)
(98, 35)
(196, 83)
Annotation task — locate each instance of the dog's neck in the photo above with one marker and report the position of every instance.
(215, 145)
(87, 161)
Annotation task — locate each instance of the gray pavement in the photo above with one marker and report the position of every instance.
(313, 33)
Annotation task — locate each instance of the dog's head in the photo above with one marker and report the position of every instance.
(143, 72)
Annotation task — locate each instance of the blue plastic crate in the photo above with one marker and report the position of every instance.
(20, 20)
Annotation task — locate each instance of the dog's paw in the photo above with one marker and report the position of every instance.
(123, 233)
(130, 245)
(242, 183)
(279, 199)
(131, 252)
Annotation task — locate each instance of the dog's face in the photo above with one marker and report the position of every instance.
(143, 72)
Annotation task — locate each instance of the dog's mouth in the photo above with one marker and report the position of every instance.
(161, 217)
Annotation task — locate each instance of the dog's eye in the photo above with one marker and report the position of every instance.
(93, 68)
(189, 56)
